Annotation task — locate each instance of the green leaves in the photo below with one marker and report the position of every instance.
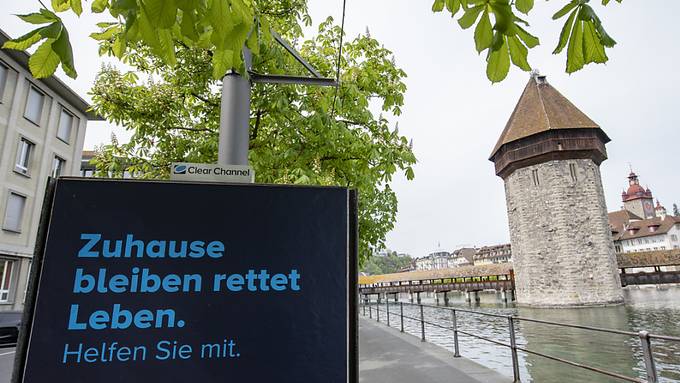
(24, 42)
(55, 48)
(583, 35)
(483, 33)
(161, 13)
(470, 16)
(44, 61)
(39, 18)
(502, 33)
(62, 47)
(99, 6)
(518, 53)
(438, 5)
(222, 61)
(524, 6)
(498, 60)
(499, 31)
(223, 26)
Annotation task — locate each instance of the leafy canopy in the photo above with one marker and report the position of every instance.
(225, 26)
(173, 112)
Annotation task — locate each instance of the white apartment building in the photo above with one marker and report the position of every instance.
(42, 129)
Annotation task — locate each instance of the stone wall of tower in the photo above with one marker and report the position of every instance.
(562, 250)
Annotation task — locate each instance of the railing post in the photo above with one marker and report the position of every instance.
(513, 348)
(422, 324)
(401, 315)
(456, 350)
(648, 357)
(364, 301)
(377, 310)
(370, 308)
(387, 308)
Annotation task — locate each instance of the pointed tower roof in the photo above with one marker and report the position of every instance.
(541, 108)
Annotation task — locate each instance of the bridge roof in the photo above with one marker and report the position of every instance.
(456, 272)
(649, 258)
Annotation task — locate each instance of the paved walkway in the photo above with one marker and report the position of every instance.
(6, 364)
(389, 356)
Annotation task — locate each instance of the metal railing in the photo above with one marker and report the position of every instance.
(644, 336)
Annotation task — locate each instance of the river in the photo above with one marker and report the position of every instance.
(656, 310)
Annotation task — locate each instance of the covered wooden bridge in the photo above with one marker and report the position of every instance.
(642, 268)
(468, 279)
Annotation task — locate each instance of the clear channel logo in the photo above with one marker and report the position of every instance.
(179, 169)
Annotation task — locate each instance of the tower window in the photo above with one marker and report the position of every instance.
(572, 172)
(534, 176)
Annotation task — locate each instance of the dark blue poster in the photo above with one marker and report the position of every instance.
(178, 282)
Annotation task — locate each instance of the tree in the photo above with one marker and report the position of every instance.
(676, 212)
(225, 26)
(391, 263)
(299, 135)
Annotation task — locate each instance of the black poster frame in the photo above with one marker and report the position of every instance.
(40, 248)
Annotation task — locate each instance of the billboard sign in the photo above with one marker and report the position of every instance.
(143, 281)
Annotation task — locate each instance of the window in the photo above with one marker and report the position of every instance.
(58, 166)
(65, 125)
(674, 237)
(5, 278)
(14, 212)
(572, 172)
(4, 71)
(534, 175)
(24, 152)
(34, 105)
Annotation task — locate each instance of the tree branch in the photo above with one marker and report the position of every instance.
(206, 100)
(257, 124)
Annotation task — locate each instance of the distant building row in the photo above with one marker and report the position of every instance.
(465, 256)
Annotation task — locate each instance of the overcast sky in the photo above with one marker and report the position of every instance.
(455, 116)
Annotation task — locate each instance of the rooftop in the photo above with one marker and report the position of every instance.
(541, 108)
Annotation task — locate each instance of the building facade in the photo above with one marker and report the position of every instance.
(462, 257)
(548, 156)
(42, 129)
(434, 261)
(640, 225)
(493, 254)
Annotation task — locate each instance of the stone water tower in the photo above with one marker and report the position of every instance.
(549, 155)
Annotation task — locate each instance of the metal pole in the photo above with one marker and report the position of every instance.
(364, 300)
(377, 309)
(401, 314)
(370, 308)
(456, 350)
(648, 357)
(513, 348)
(235, 118)
(422, 324)
(387, 306)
